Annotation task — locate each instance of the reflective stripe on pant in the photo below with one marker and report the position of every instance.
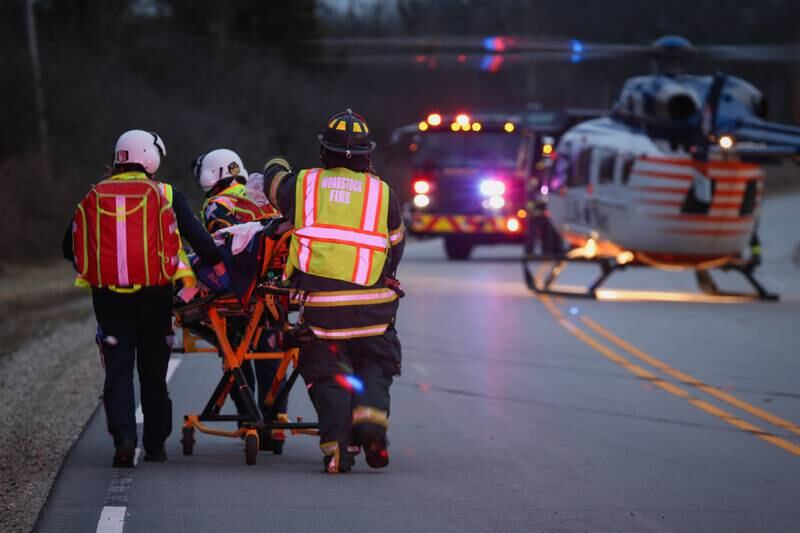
(134, 329)
(374, 361)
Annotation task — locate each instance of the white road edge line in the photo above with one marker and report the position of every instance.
(112, 517)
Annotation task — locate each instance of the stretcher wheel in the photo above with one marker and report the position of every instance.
(187, 439)
(250, 449)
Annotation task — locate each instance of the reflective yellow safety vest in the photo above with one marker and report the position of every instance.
(340, 225)
(184, 271)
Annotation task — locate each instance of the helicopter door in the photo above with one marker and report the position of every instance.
(578, 181)
(605, 203)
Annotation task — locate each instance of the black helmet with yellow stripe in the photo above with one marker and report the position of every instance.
(347, 133)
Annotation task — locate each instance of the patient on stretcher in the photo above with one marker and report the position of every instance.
(245, 249)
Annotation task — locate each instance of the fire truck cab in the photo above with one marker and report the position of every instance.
(470, 176)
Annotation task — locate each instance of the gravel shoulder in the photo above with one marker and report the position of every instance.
(50, 381)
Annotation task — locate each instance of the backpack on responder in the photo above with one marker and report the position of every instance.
(124, 234)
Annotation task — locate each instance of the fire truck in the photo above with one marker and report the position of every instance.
(474, 177)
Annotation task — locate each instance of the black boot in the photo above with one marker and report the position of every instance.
(376, 446)
(156, 456)
(338, 464)
(124, 453)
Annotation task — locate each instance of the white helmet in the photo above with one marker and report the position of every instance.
(217, 165)
(142, 147)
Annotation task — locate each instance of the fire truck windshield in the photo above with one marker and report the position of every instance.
(447, 149)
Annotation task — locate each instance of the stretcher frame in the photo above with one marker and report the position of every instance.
(212, 327)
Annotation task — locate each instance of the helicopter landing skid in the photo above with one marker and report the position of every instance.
(746, 268)
(609, 265)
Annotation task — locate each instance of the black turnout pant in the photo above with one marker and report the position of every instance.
(374, 361)
(136, 328)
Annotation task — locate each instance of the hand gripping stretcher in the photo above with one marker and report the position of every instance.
(266, 312)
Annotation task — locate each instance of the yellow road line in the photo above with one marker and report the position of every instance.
(666, 386)
(691, 381)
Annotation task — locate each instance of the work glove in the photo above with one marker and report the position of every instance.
(395, 285)
(300, 336)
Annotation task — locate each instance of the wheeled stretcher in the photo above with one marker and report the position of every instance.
(264, 310)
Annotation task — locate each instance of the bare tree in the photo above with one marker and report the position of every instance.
(36, 68)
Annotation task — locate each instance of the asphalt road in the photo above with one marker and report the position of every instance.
(513, 413)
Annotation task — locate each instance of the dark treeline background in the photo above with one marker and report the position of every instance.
(240, 74)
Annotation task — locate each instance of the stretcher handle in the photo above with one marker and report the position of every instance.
(200, 302)
(279, 291)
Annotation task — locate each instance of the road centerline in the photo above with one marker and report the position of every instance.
(671, 388)
(689, 380)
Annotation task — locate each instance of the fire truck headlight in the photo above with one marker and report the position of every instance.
(496, 202)
(422, 200)
(422, 187)
(492, 188)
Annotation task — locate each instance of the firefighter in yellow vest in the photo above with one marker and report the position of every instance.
(222, 176)
(344, 253)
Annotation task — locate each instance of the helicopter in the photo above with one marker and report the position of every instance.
(671, 177)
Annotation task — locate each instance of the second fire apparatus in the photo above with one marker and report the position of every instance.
(471, 175)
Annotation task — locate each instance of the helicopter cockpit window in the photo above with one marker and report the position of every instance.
(605, 170)
(627, 166)
(579, 176)
(559, 172)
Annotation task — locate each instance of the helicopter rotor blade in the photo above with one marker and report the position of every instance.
(523, 49)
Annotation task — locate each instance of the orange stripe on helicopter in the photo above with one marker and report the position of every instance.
(688, 177)
(662, 190)
(664, 175)
(679, 203)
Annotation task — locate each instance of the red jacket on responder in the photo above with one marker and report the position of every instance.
(348, 240)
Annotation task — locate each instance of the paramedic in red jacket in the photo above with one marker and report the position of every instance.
(135, 322)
